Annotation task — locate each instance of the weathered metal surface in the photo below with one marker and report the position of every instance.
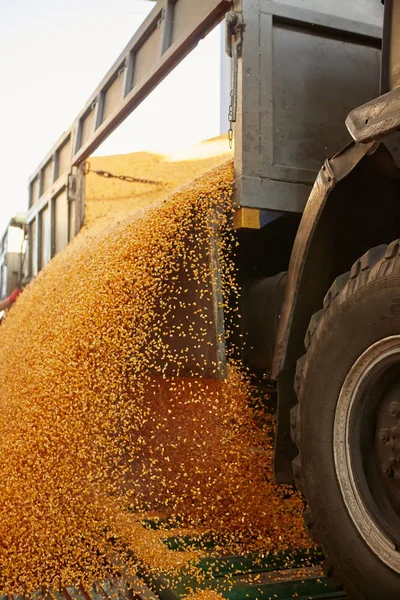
(375, 119)
(296, 84)
(323, 250)
(304, 65)
(381, 116)
(331, 173)
(169, 33)
(261, 308)
(283, 366)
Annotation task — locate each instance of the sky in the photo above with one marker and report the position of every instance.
(53, 54)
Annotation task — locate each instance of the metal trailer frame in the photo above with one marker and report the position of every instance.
(290, 113)
(335, 170)
(292, 110)
(345, 190)
(169, 33)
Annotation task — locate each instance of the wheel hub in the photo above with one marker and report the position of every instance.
(367, 447)
(388, 438)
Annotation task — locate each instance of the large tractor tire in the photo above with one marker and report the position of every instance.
(347, 427)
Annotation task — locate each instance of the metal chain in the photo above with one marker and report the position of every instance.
(234, 31)
(230, 117)
(86, 169)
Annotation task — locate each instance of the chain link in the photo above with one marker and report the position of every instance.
(231, 119)
(129, 178)
(230, 137)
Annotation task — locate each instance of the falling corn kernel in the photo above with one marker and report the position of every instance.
(101, 426)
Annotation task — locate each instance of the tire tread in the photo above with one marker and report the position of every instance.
(376, 260)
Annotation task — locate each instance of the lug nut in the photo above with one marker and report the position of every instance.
(394, 409)
(384, 435)
(387, 469)
(395, 431)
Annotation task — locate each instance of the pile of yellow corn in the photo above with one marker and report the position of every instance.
(94, 433)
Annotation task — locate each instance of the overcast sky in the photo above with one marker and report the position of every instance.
(52, 56)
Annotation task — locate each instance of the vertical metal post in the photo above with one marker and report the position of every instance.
(99, 110)
(77, 141)
(129, 72)
(390, 69)
(226, 76)
(168, 23)
(247, 148)
(36, 267)
(52, 209)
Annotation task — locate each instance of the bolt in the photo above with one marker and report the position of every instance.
(384, 435)
(395, 431)
(387, 469)
(394, 409)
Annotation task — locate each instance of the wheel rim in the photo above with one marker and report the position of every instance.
(366, 441)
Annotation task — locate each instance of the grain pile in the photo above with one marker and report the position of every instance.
(95, 433)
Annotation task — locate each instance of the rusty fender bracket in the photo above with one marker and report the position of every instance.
(295, 313)
(375, 119)
(333, 171)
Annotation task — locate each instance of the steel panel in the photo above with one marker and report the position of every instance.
(318, 80)
(271, 194)
(369, 12)
(112, 95)
(186, 12)
(303, 67)
(86, 126)
(144, 57)
(43, 200)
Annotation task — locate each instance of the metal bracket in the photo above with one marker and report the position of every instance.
(71, 188)
(234, 29)
(233, 44)
(376, 118)
(76, 194)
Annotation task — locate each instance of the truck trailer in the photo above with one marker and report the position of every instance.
(317, 222)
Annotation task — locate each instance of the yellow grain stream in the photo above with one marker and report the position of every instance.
(93, 434)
